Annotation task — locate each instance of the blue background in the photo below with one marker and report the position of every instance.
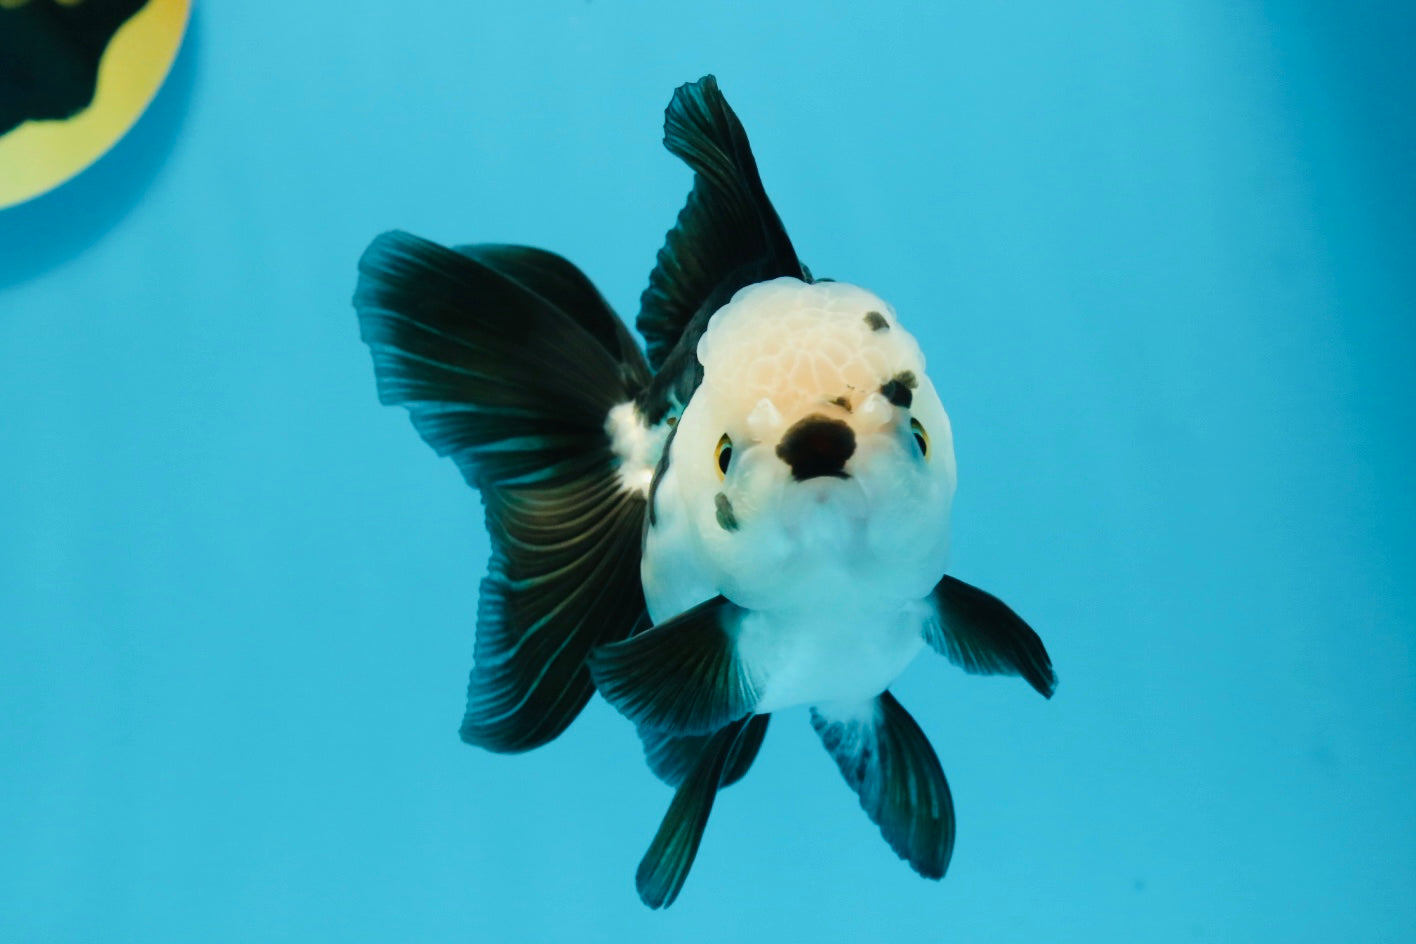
(1159, 256)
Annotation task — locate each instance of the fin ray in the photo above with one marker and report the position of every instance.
(671, 757)
(509, 363)
(682, 676)
(666, 863)
(559, 282)
(891, 766)
(727, 235)
(981, 635)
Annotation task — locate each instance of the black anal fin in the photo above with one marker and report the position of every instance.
(682, 676)
(665, 865)
(889, 763)
(509, 362)
(980, 634)
(671, 757)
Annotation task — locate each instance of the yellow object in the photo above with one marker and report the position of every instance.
(38, 156)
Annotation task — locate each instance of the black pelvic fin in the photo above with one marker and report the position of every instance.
(671, 756)
(979, 633)
(509, 362)
(889, 763)
(727, 235)
(665, 865)
(683, 676)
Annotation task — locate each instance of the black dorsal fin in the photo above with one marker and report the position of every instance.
(727, 235)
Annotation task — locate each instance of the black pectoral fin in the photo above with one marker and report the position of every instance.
(891, 766)
(671, 757)
(665, 865)
(727, 236)
(979, 633)
(682, 676)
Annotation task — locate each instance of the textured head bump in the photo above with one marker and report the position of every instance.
(798, 345)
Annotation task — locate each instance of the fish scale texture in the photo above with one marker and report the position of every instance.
(795, 343)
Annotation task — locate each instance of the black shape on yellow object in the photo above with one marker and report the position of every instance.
(49, 56)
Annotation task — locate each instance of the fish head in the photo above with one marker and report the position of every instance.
(816, 455)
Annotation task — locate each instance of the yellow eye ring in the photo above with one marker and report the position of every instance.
(921, 437)
(723, 456)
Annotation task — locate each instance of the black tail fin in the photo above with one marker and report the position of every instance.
(727, 235)
(509, 362)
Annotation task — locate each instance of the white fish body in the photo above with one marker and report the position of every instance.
(833, 567)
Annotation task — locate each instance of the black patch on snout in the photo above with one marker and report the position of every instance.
(876, 321)
(899, 389)
(816, 446)
(841, 402)
(726, 519)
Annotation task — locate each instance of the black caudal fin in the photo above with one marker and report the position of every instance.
(980, 634)
(727, 235)
(509, 362)
(665, 865)
(888, 762)
(671, 757)
(559, 282)
(683, 676)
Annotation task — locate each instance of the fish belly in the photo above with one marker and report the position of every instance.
(813, 658)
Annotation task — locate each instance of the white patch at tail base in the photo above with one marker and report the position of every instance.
(636, 444)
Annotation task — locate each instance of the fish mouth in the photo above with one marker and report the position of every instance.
(825, 511)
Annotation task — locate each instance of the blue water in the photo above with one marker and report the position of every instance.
(1159, 257)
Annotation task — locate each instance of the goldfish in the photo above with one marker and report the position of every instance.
(748, 515)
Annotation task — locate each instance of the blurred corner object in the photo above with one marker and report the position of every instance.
(74, 77)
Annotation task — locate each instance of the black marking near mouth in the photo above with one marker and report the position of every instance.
(899, 389)
(726, 519)
(876, 321)
(841, 402)
(816, 446)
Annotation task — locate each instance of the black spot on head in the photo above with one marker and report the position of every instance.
(816, 446)
(841, 402)
(726, 519)
(876, 321)
(897, 393)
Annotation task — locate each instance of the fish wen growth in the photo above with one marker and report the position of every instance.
(749, 515)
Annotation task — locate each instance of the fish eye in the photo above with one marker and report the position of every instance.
(723, 455)
(920, 436)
